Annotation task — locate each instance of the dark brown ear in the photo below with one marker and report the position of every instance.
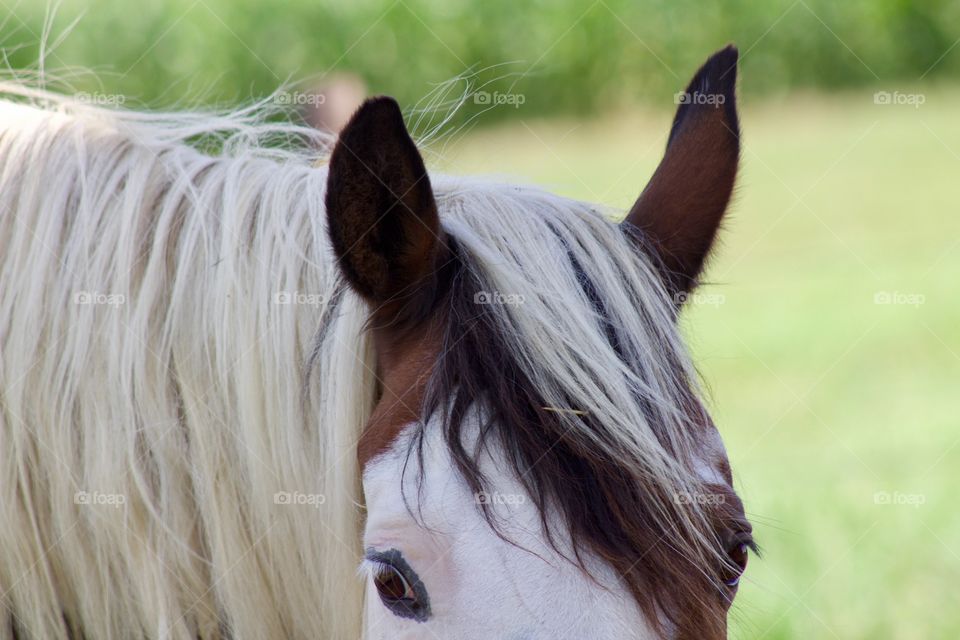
(381, 212)
(679, 211)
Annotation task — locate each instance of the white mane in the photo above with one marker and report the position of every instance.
(153, 331)
(158, 307)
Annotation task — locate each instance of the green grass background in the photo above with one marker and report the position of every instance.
(574, 57)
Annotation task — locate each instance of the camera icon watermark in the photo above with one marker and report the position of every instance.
(98, 499)
(896, 498)
(299, 298)
(299, 99)
(697, 298)
(899, 298)
(97, 298)
(699, 97)
(699, 498)
(496, 498)
(100, 99)
(299, 499)
(915, 100)
(496, 99)
(496, 297)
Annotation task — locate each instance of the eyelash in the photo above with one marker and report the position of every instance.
(371, 567)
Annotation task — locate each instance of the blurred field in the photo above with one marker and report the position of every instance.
(571, 57)
(840, 414)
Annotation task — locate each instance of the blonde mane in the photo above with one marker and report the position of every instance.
(157, 309)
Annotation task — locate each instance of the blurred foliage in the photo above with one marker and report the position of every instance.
(562, 57)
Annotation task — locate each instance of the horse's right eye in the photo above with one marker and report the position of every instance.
(737, 555)
(391, 585)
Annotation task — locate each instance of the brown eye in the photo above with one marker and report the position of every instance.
(738, 555)
(392, 585)
(401, 591)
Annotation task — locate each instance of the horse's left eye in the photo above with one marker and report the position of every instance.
(738, 555)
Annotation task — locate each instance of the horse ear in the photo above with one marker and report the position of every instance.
(679, 211)
(381, 212)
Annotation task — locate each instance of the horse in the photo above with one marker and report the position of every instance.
(253, 390)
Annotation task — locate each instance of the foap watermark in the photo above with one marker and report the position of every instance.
(897, 498)
(510, 499)
(699, 97)
(914, 100)
(496, 297)
(100, 99)
(299, 499)
(497, 99)
(299, 298)
(697, 298)
(97, 298)
(100, 499)
(899, 298)
(699, 498)
(299, 99)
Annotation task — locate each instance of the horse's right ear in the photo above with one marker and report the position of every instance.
(679, 211)
(381, 212)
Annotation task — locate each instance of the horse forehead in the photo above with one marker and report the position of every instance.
(419, 486)
(405, 366)
(392, 492)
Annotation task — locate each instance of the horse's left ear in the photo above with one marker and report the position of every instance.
(679, 211)
(381, 212)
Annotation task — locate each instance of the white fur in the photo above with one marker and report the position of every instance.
(480, 586)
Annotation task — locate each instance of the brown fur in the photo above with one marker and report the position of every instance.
(680, 210)
(406, 363)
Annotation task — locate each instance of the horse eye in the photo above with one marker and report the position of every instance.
(400, 589)
(392, 585)
(738, 555)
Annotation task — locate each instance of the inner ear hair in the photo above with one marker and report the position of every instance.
(381, 212)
